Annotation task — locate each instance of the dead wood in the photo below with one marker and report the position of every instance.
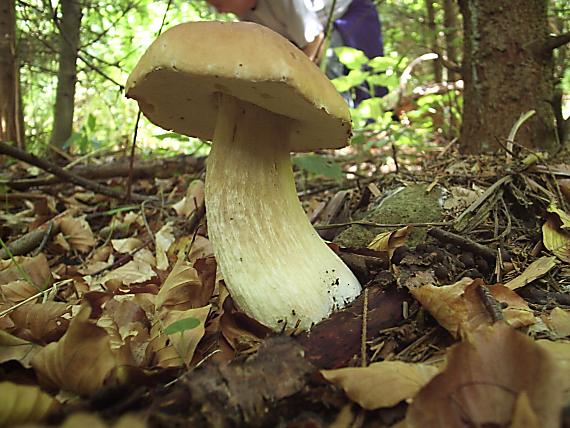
(241, 393)
(464, 243)
(16, 153)
(162, 168)
(29, 241)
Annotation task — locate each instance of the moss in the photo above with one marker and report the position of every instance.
(411, 204)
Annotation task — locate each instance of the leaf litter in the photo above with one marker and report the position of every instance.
(118, 317)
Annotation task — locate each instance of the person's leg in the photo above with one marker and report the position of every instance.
(360, 28)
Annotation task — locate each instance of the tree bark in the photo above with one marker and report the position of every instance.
(69, 28)
(432, 39)
(504, 76)
(11, 123)
(451, 36)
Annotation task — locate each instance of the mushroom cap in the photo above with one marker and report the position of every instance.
(177, 80)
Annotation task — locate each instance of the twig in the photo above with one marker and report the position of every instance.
(363, 357)
(29, 241)
(511, 139)
(463, 242)
(16, 153)
(492, 305)
(124, 259)
(555, 42)
(372, 224)
(55, 287)
(486, 194)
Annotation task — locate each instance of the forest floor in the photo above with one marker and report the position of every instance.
(111, 313)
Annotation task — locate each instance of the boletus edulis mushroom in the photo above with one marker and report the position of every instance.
(257, 98)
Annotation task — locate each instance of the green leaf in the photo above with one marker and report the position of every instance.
(173, 135)
(391, 82)
(382, 63)
(182, 325)
(319, 165)
(352, 79)
(350, 57)
(91, 122)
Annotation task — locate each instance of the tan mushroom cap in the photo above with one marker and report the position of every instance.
(177, 80)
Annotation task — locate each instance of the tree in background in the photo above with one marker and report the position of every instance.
(11, 121)
(69, 30)
(508, 70)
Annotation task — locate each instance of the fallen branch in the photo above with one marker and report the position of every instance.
(163, 168)
(16, 153)
(464, 243)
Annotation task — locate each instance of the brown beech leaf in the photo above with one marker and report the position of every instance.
(80, 420)
(163, 240)
(35, 269)
(13, 348)
(482, 382)
(24, 404)
(555, 236)
(459, 309)
(41, 322)
(535, 270)
(128, 327)
(382, 384)
(80, 361)
(523, 414)
(192, 201)
(183, 289)
(175, 336)
(133, 272)
(77, 233)
(559, 322)
(560, 351)
(240, 331)
(389, 241)
(197, 247)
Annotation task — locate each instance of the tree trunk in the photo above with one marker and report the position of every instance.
(451, 35)
(432, 39)
(69, 27)
(505, 75)
(11, 123)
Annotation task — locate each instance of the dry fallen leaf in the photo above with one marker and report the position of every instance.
(483, 379)
(560, 351)
(382, 384)
(33, 270)
(77, 233)
(523, 413)
(556, 238)
(80, 361)
(389, 241)
(126, 245)
(535, 270)
(559, 322)
(81, 420)
(194, 198)
(175, 336)
(13, 348)
(183, 289)
(21, 404)
(133, 272)
(128, 328)
(459, 309)
(163, 240)
(41, 322)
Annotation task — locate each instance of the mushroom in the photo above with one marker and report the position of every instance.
(257, 97)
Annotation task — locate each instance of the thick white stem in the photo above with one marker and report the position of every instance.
(277, 269)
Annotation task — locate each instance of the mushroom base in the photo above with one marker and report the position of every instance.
(276, 267)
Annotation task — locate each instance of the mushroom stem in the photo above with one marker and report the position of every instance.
(276, 267)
